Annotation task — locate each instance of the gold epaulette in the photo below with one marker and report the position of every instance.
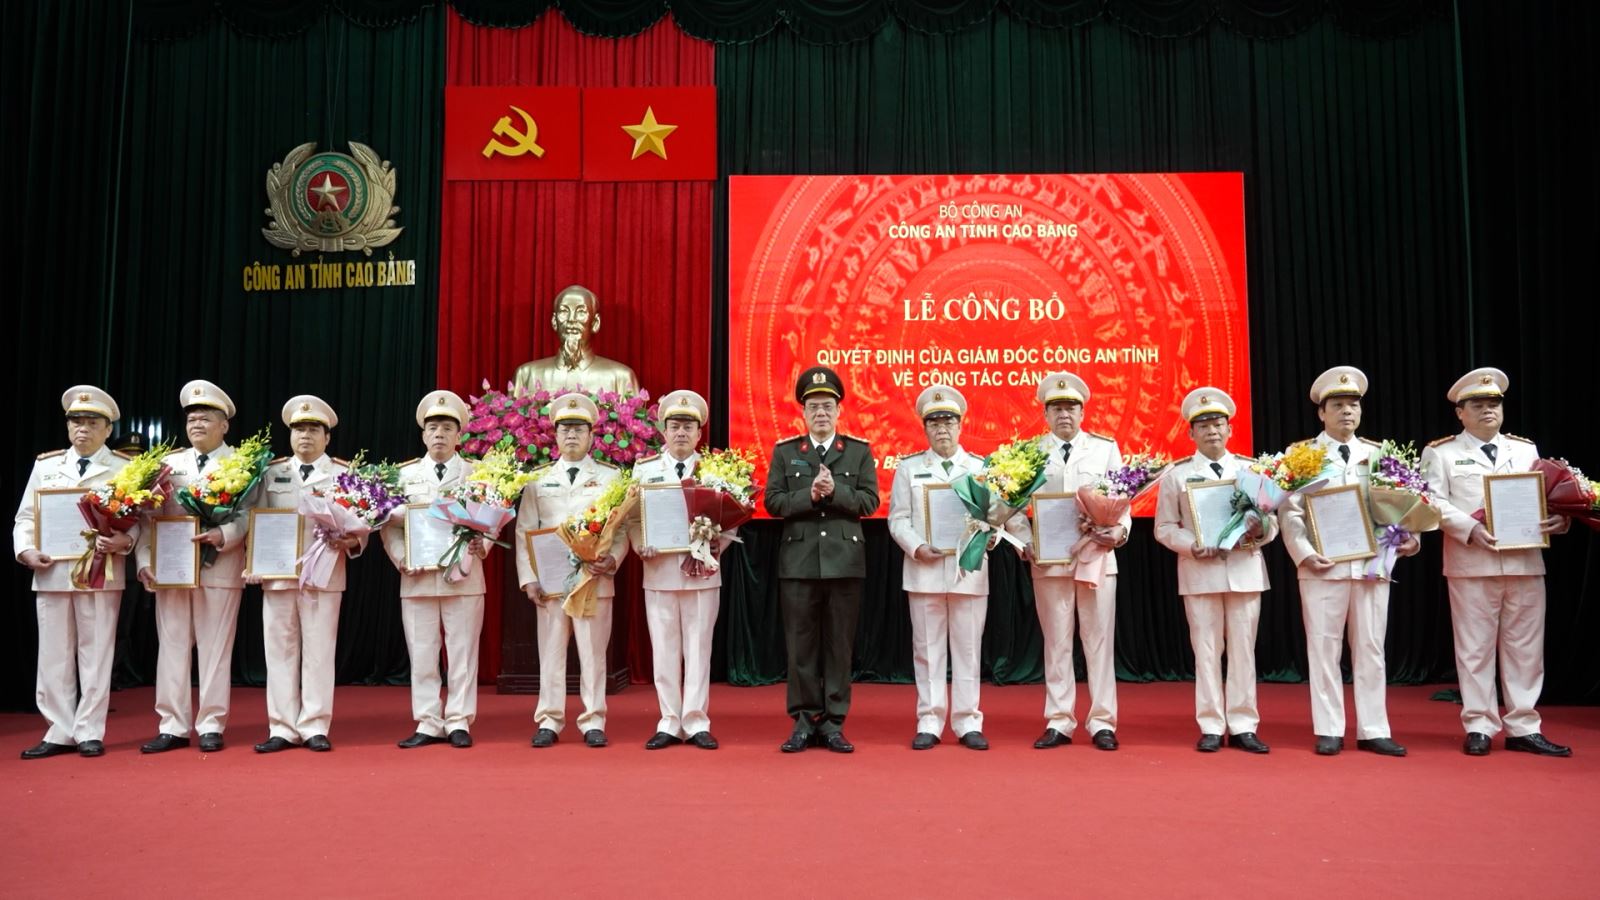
(281, 459)
(124, 454)
(1444, 440)
(1109, 440)
(859, 440)
(1309, 440)
(1515, 437)
(402, 465)
(645, 459)
(342, 462)
(51, 455)
(779, 444)
(1369, 442)
(607, 463)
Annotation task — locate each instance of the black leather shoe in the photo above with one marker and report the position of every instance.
(1477, 744)
(1536, 743)
(544, 737)
(319, 743)
(164, 742)
(1105, 739)
(460, 739)
(974, 740)
(924, 741)
(594, 737)
(1051, 738)
(797, 742)
(704, 740)
(274, 744)
(1329, 746)
(1209, 743)
(211, 742)
(91, 748)
(1248, 742)
(1381, 746)
(45, 748)
(836, 742)
(659, 740)
(418, 739)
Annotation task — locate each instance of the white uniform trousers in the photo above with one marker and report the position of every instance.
(459, 619)
(1063, 604)
(947, 630)
(1329, 609)
(1504, 613)
(206, 619)
(681, 624)
(301, 628)
(77, 639)
(593, 633)
(1229, 618)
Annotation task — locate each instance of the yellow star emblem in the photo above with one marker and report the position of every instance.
(649, 136)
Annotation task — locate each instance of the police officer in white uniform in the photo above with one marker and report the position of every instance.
(680, 609)
(1221, 588)
(1075, 458)
(301, 624)
(438, 609)
(205, 617)
(1496, 596)
(1337, 595)
(560, 490)
(948, 605)
(77, 626)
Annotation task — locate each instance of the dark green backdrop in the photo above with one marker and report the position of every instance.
(1420, 199)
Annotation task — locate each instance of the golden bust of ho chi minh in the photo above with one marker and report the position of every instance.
(576, 319)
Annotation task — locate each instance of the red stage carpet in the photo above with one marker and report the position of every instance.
(1155, 819)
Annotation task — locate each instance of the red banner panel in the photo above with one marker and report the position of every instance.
(512, 134)
(650, 134)
(987, 283)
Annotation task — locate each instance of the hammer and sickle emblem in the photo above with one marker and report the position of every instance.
(524, 141)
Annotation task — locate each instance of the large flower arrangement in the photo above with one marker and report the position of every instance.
(225, 491)
(142, 485)
(519, 422)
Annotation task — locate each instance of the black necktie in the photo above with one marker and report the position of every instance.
(83, 464)
(680, 471)
(1217, 468)
(572, 475)
(1344, 452)
(1066, 452)
(203, 458)
(1489, 450)
(438, 469)
(305, 471)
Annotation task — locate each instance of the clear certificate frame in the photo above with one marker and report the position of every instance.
(1514, 503)
(1341, 527)
(1210, 508)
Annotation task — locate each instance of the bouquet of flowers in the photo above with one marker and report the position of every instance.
(721, 497)
(143, 484)
(519, 422)
(479, 507)
(1105, 502)
(360, 503)
(1567, 492)
(1010, 475)
(590, 534)
(221, 496)
(1262, 487)
(1400, 501)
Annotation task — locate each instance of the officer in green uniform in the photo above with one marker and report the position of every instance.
(821, 483)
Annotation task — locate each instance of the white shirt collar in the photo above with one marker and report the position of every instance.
(1475, 444)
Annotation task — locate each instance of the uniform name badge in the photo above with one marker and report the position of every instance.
(427, 537)
(944, 518)
(1056, 518)
(1340, 526)
(1210, 508)
(174, 553)
(274, 544)
(1513, 507)
(58, 526)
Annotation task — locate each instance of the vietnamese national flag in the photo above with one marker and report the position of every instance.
(650, 134)
(511, 134)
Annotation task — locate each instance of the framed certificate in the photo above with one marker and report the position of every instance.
(664, 517)
(1340, 527)
(427, 537)
(1210, 508)
(1513, 507)
(274, 544)
(1056, 520)
(552, 562)
(944, 518)
(174, 555)
(58, 526)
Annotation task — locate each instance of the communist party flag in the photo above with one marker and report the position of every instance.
(512, 134)
(650, 134)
